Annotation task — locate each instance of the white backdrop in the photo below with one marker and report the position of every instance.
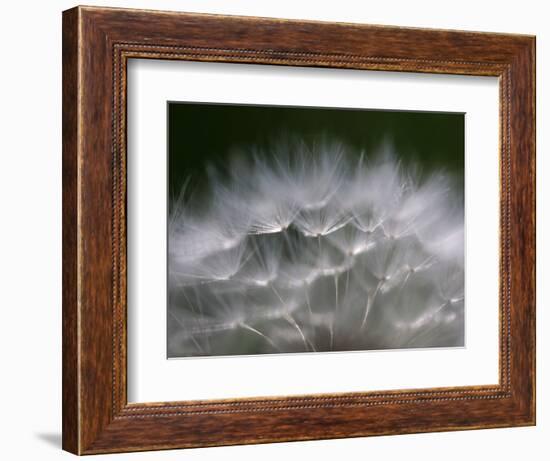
(30, 243)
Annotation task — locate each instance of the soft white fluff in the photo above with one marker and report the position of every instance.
(315, 248)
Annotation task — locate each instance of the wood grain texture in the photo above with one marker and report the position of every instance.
(70, 384)
(97, 43)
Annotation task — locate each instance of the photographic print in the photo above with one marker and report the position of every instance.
(312, 230)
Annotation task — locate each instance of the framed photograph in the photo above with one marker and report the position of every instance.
(281, 230)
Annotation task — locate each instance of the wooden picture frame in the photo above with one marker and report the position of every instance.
(97, 43)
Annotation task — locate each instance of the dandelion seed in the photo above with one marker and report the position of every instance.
(219, 266)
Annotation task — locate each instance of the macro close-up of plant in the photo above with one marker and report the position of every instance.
(315, 248)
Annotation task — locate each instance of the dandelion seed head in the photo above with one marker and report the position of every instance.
(315, 247)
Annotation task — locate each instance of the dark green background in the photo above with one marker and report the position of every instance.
(199, 134)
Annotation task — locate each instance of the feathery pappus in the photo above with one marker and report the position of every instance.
(315, 248)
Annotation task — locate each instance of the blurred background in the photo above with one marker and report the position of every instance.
(204, 133)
